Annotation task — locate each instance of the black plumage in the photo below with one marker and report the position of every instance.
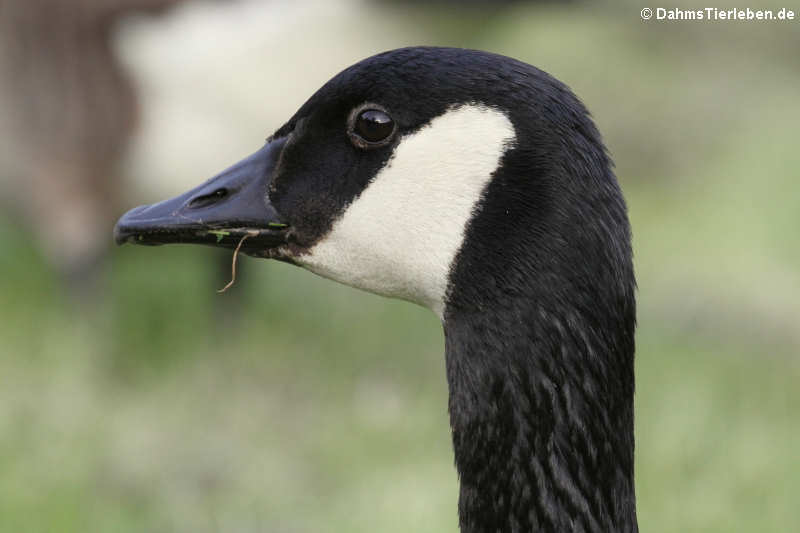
(539, 313)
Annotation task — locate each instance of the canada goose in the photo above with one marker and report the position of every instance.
(478, 186)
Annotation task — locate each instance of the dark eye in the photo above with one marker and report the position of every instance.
(371, 128)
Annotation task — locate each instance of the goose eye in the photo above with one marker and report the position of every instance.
(372, 128)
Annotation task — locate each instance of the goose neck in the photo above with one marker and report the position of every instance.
(541, 411)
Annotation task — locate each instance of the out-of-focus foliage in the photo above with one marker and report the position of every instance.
(294, 404)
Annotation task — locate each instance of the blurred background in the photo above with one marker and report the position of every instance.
(133, 397)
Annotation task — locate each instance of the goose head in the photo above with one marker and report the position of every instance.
(477, 186)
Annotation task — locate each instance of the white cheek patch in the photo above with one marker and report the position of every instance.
(400, 236)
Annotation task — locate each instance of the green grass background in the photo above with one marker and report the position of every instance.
(292, 404)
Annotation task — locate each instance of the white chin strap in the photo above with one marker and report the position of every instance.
(399, 237)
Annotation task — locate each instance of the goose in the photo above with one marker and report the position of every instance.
(478, 186)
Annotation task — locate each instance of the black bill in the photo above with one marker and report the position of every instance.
(221, 212)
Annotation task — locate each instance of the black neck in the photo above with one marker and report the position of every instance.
(539, 328)
(541, 409)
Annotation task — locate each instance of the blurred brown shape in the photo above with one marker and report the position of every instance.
(67, 111)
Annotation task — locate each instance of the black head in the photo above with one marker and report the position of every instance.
(407, 159)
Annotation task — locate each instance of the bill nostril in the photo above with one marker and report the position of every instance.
(208, 199)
